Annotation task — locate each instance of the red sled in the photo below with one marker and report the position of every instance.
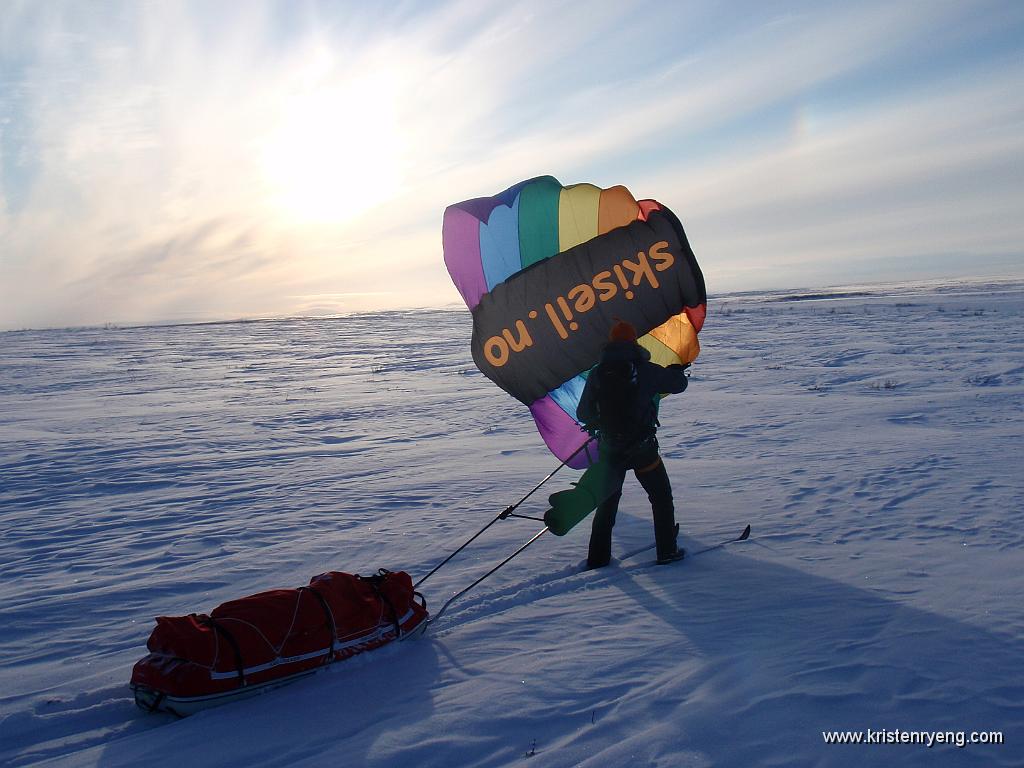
(247, 646)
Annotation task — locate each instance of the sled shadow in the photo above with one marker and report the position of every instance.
(791, 655)
(360, 702)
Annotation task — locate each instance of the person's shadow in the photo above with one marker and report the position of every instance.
(788, 656)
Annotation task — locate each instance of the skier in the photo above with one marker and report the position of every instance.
(619, 404)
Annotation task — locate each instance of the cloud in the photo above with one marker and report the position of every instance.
(134, 141)
(924, 177)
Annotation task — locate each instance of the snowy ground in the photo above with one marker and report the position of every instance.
(873, 440)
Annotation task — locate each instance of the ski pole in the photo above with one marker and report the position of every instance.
(457, 595)
(504, 513)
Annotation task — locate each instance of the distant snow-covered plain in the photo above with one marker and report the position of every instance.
(871, 436)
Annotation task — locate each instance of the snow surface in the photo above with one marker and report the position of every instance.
(871, 436)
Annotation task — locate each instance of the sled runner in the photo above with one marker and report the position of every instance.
(263, 641)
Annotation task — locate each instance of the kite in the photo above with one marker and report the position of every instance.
(546, 270)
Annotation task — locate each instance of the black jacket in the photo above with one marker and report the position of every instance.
(652, 379)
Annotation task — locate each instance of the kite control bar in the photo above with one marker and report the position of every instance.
(505, 513)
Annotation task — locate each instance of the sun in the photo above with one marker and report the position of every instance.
(334, 153)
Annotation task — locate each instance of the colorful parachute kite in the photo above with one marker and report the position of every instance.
(546, 270)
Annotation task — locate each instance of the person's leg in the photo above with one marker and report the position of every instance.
(600, 552)
(654, 479)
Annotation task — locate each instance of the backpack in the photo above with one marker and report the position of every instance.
(624, 416)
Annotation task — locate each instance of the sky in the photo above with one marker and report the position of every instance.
(178, 161)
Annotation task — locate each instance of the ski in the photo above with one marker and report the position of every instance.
(742, 537)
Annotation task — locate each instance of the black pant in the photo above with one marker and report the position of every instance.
(650, 470)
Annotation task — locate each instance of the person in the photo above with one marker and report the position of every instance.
(620, 405)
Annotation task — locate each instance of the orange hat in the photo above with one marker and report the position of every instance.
(622, 331)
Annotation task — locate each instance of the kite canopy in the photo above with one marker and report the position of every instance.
(546, 271)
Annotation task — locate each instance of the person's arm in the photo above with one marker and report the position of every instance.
(672, 379)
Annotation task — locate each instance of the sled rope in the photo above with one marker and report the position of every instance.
(505, 513)
(457, 595)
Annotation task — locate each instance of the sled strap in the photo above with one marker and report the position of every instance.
(391, 609)
(375, 582)
(221, 630)
(328, 614)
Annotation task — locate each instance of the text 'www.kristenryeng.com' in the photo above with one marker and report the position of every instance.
(928, 739)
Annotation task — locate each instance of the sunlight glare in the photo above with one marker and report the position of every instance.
(335, 152)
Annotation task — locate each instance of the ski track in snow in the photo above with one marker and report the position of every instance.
(871, 438)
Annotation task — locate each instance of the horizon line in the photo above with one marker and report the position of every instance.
(814, 291)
